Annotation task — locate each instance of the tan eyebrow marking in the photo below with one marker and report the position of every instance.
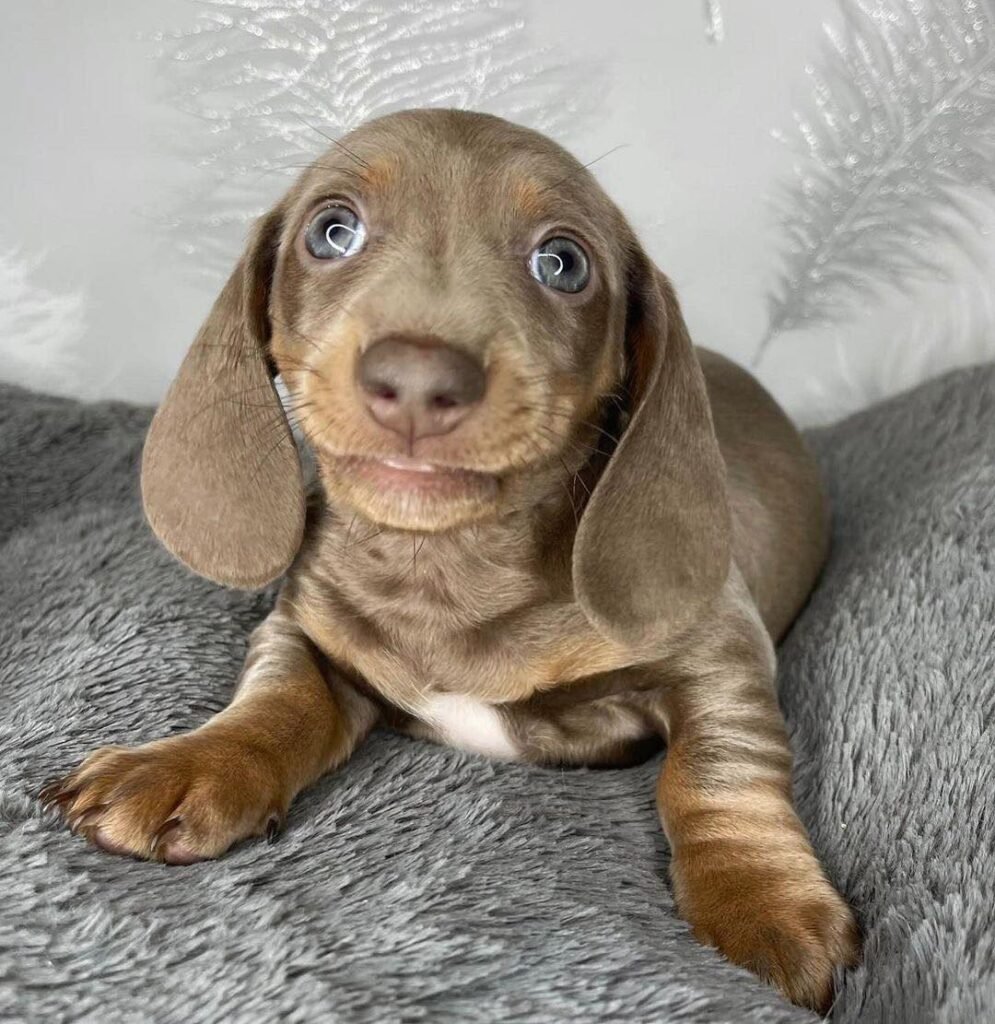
(530, 197)
(379, 173)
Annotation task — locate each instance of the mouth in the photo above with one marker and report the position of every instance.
(405, 475)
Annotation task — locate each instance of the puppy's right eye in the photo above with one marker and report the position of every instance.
(334, 232)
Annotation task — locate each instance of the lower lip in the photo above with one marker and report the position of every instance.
(414, 476)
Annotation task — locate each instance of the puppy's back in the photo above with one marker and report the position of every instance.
(779, 507)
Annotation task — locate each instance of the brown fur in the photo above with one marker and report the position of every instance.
(627, 526)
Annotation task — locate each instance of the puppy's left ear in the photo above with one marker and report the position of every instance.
(653, 547)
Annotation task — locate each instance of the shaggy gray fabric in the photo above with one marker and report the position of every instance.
(419, 884)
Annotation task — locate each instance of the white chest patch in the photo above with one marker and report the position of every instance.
(470, 725)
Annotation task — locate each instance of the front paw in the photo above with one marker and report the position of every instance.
(177, 800)
(784, 923)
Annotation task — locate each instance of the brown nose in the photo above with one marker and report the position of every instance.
(418, 387)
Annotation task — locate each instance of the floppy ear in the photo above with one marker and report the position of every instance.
(653, 545)
(221, 477)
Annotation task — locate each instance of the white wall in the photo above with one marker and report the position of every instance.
(102, 190)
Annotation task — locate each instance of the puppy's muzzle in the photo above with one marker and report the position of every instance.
(418, 386)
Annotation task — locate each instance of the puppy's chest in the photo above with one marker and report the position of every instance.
(457, 657)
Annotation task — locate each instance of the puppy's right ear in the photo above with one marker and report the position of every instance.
(221, 477)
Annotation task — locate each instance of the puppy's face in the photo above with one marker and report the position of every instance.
(447, 311)
(451, 301)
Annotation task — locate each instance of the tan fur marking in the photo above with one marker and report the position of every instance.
(380, 174)
(530, 198)
(190, 797)
(740, 854)
(584, 654)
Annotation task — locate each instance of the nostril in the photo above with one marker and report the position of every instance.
(384, 391)
(444, 401)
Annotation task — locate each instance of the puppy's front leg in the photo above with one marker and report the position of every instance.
(189, 797)
(743, 871)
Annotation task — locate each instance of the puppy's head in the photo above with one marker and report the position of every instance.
(452, 302)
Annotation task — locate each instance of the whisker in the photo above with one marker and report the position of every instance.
(314, 164)
(601, 430)
(300, 334)
(584, 451)
(580, 446)
(590, 163)
(370, 536)
(580, 480)
(415, 549)
(232, 398)
(293, 363)
(541, 457)
(337, 307)
(348, 533)
(327, 426)
(262, 462)
(569, 490)
(335, 142)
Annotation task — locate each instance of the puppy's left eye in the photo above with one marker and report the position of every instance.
(333, 232)
(560, 263)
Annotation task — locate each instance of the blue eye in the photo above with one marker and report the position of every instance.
(335, 232)
(561, 264)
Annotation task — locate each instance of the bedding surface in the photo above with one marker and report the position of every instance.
(422, 884)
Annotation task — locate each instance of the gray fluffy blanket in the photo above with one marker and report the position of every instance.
(420, 884)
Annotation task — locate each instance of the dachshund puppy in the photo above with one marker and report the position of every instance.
(548, 528)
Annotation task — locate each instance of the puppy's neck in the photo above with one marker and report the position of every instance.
(463, 579)
(457, 579)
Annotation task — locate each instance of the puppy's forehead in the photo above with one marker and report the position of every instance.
(457, 141)
(441, 156)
